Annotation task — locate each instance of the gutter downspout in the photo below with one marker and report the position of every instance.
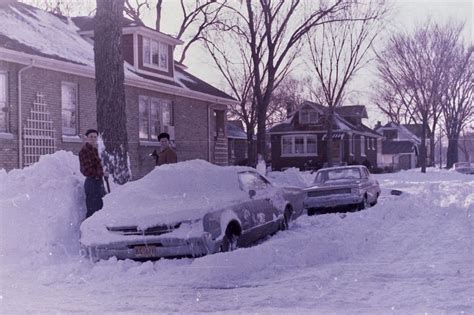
(20, 129)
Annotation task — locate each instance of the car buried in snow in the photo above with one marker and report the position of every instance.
(464, 167)
(336, 188)
(188, 209)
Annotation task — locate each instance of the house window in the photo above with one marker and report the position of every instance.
(362, 145)
(299, 145)
(69, 108)
(309, 116)
(154, 118)
(3, 102)
(155, 54)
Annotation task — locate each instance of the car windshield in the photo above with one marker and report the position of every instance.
(337, 174)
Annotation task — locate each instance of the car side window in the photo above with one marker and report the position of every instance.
(365, 173)
(249, 180)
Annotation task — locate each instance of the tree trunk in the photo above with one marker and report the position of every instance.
(158, 15)
(110, 90)
(432, 150)
(329, 121)
(251, 156)
(423, 146)
(261, 131)
(452, 153)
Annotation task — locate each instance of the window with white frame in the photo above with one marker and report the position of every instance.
(299, 145)
(154, 117)
(69, 108)
(362, 145)
(309, 116)
(155, 54)
(3, 102)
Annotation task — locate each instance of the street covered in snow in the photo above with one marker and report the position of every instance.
(409, 254)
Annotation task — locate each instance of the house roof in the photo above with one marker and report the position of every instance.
(404, 133)
(396, 147)
(29, 30)
(235, 130)
(340, 124)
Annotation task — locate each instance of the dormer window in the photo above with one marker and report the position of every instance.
(155, 54)
(309, 116)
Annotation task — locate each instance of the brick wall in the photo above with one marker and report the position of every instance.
(190, 117)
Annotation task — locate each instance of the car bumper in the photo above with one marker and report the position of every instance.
(153, 249)
(332, 201)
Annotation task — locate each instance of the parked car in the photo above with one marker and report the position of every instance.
(464, 167)
(189, 209)
(338, 187)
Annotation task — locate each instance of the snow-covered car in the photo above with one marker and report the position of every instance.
(464, 167)
(189, 209)
(337, 187)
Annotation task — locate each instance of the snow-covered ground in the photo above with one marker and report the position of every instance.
(410, 254)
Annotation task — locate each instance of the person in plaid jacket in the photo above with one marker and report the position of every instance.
(91, 168)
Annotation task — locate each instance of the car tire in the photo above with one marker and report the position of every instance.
(375, 201)
(285, 222)
(230, 239)
(364, 204)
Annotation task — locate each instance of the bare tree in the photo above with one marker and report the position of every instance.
(338, 51)
(416, 67)
(110, 90)
(286, 98)
(458, 108)
(231, 58)
(273, 31)
(198, 17)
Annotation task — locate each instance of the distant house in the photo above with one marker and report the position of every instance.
(300, 141)
(400, 146)
(237, 143)
(466, 148)
(47, 91)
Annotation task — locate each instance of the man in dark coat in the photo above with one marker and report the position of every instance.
(166, 154)
(91, 168)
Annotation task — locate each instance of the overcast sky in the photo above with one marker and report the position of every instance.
(406, 15)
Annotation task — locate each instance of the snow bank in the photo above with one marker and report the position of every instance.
(291, 177)
(42, 207)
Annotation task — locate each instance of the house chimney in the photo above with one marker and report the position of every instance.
(378, 125)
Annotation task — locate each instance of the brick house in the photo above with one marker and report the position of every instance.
(47, 92)
(300, 141)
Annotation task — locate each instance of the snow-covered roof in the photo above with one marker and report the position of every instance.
(235, 130)
(31, 31)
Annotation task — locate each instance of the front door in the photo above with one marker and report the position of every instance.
(336, 151)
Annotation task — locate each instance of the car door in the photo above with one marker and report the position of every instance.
(257, 215)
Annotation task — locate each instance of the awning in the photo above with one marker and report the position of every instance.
(337, 135)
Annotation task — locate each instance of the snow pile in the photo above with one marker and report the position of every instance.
(408, 254)
(292, 177)
(41, 209)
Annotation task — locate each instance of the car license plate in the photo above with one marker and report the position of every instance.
(145, 251)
